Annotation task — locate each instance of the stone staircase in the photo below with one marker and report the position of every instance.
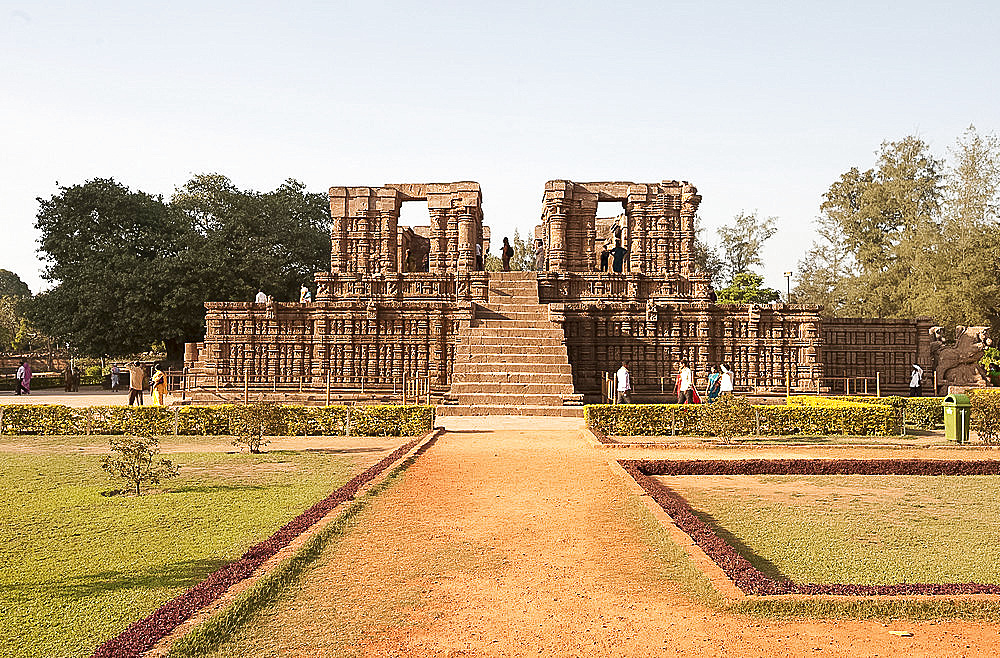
(512, 360)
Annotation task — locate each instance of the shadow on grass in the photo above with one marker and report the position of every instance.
(216, 488)
(344, 451)
(178, 574)
(762, 564)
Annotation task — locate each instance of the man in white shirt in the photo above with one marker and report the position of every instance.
(685, 393)
(726, 383)
(623, 385)
(916, 377)
(261, 297)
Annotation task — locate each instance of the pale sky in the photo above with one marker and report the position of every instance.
(760, 105)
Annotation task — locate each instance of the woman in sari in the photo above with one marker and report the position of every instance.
(159, 385)
(714, 383)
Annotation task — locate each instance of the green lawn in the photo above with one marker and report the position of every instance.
(856, 529)
(77, 567)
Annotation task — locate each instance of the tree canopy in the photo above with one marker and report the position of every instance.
(130, 269)
(913, 235)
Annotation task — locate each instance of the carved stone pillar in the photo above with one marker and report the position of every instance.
(437, 260)
(362, 244)
(637, 248)
(466, 240)
(389, 240)
(689, 208)
(337, 256)
(557, 236)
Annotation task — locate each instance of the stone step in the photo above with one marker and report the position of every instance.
(508, 399)
(467, 369)
(522, 343)
(528, 316)
(518, 410)
(529, 332)
(494, 377)
(487, 353)
(497, 297)
(504, 388)
(511, 399)
(514, 324)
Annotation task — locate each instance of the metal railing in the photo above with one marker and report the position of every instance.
(182, 383)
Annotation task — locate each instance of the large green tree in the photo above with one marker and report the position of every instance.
(13, 326)
(743, 241)
(130, 270)
(108, 251)
(885, 220)
(244, 241)
(913, 235)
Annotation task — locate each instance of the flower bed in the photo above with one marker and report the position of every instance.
(747, 577)
(145, 633)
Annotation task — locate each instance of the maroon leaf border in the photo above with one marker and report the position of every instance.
(747, 577)
(142, 635)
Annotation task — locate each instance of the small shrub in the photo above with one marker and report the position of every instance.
(250, 423)
(727, 417)
(135, 460)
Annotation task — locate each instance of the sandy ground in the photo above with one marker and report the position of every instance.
(517, 542)
(87, 396)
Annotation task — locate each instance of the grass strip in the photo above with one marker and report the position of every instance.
(744, 574)
(221, 627)
(145, 633)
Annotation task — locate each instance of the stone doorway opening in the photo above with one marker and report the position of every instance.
(414, 237)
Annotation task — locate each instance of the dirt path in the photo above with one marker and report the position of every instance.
(516, 543)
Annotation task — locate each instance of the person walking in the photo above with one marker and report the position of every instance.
(158, 384)
(136, 383)
(623, 385)
(714, 384)
(305, 296)
(506, 253)
(916, 381)
(539, 256)
(116, 375)
(22, 380)
(726, 380)
(685, 385)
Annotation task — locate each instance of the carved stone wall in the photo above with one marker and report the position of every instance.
(761, 344)
(359, 345)
(862, 347)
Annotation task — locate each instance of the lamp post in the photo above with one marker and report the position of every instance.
(788, 287)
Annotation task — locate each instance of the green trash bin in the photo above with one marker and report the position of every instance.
(957, 413)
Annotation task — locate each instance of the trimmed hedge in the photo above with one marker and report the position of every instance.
(747, 577)
(923, 413)
(985, 413)
(213, 420)
(758, 420)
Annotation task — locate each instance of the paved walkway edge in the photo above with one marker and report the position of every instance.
(162, 648)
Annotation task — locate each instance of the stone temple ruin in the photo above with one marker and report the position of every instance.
(410, 310)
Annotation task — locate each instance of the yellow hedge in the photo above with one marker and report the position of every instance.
(213, 420)
(757, 420)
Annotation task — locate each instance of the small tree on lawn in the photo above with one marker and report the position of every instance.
(728, 417)
(135, 459)
(250, 423)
